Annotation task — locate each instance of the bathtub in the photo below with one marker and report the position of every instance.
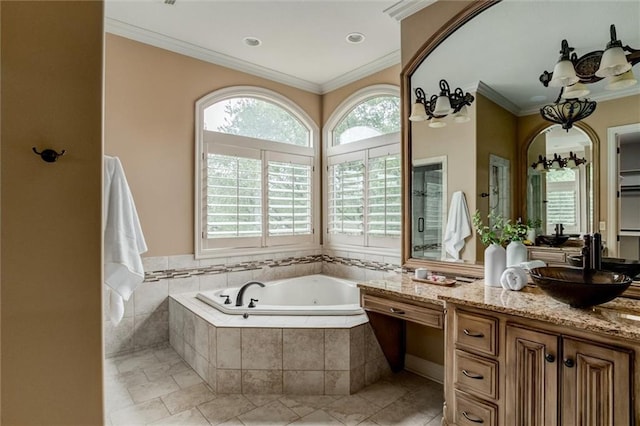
(308, 296)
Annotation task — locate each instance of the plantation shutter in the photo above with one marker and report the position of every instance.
(233, 188)
(289, 195)
(384, 197)
(346, 193)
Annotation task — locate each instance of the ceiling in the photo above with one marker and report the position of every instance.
(506, 48)
(303, 41)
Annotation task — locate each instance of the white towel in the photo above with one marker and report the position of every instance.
(458, 225)
(123, 239)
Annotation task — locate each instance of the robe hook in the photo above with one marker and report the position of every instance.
(49, 155)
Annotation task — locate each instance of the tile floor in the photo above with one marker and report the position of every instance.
(157, 387)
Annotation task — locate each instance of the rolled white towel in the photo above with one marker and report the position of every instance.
(532, 264)
(513, 278)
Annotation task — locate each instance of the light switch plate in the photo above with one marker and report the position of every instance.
(603, 225)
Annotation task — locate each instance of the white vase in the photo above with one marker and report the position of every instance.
(531, 235)
(495, 262)
(516, 253)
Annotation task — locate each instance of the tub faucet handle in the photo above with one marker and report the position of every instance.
(227, 301)
(252, 303)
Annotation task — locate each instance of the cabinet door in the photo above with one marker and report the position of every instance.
(532, 378)
(596, 384)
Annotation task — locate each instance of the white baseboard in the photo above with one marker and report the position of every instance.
(424, 368)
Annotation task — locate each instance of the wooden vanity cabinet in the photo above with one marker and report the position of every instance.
(538, 375)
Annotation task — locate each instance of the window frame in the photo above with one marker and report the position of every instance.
(229, 143)
(357, 149)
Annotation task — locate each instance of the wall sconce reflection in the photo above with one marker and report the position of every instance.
(558, 162)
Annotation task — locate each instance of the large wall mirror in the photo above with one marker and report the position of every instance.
(497, 51)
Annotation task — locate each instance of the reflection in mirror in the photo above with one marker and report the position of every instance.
(559, 192)
(499, 186)
(429, 194)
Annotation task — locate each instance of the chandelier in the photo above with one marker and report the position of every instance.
(572, 73)
(558, 162)
(440, 106)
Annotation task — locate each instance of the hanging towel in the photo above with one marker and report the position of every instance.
(123, 239)
(458, 225)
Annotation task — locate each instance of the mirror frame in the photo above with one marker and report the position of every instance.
(521, 195)
(461, 18)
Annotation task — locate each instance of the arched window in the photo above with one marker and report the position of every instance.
(362, 186)
(256, 177)
(375, 116)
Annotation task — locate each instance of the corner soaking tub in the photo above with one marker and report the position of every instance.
(309, 295)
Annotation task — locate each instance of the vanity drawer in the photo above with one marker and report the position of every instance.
(469, 412)
(418, 314)
(476, 375)
(476, 332)
(547, 256)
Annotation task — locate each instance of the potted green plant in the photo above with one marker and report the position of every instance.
(493, 237)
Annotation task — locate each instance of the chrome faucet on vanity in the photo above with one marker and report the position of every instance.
(243, 289)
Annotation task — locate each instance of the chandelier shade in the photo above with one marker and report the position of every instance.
(622, 81)
(577, 90)
(568, 111)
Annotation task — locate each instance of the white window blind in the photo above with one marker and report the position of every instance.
(384, 196)
(289, 195)
(346, 198)
(234, 196)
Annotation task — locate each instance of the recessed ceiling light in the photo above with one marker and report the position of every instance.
(355, 38)
(169, 2)
(252, 41)
(538, 98)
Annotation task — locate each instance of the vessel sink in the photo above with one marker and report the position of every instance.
(628, 267)
(553, 240)
(579, 288)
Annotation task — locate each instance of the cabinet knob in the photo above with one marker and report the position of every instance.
(472, 418)
(397, 311)
(569, 362)
(472, 333)
(549, 357)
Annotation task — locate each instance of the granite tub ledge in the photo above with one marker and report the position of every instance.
(620, 317)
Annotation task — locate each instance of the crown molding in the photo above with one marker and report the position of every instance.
(359, 73)
(607, 95)
(405, 8)
(494, 96)
(142, 35)
(152, 38)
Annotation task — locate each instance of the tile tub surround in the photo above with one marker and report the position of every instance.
(271, 355)
(146, 318)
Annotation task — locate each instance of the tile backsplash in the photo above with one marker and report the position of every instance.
(146, 324)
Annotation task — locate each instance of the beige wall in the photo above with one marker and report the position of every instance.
(149, 124)
(495, 134)
(616, 112)
(458, 143)
(150, 96)
(51, 213)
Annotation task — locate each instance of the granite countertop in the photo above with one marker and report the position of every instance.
(404, 287)
(620, 317)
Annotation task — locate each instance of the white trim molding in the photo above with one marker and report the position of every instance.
(424, 368)
(613, 183)
(171, 44)
(405, 8)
